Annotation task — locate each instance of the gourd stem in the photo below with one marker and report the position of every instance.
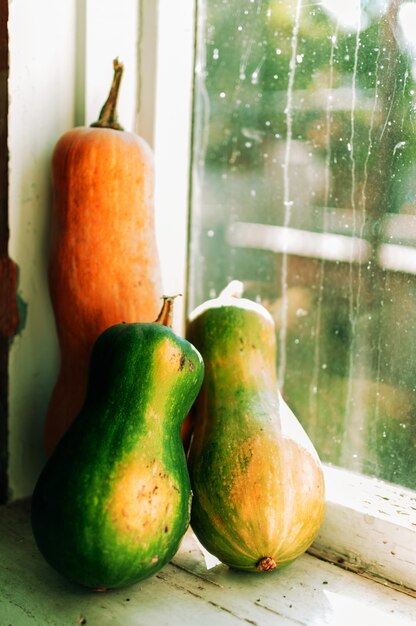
(266, 564)
(108, 114)
(234, 289)
(165, 316)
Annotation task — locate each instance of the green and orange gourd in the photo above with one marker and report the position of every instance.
(113, 500)
(103, 261)
(257, 482)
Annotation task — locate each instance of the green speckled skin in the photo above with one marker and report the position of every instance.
(112, 503)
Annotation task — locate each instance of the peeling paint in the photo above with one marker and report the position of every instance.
(9, 312)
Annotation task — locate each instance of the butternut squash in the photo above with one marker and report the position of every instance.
(103, 263)
(257, 480)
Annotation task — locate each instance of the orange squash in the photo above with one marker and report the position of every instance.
(103, 265)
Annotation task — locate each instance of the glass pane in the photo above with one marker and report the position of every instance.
(304, 188)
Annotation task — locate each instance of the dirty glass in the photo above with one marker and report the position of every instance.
(304, 188)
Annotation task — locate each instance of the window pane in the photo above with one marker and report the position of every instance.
(304, 188)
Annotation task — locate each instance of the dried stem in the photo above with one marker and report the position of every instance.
(108, 115)
(266, 564)
(165, 316)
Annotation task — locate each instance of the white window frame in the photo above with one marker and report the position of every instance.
(164, 113)
(370, 525)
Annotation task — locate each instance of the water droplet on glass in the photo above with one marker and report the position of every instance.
(215, 54)
(210, 233)
(278, 51)
(253, 193)
(222, 94)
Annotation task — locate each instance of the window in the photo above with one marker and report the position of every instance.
(303, 188)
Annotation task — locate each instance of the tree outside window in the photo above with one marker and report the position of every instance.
(304, 164)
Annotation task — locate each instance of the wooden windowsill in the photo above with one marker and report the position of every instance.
(187, 592)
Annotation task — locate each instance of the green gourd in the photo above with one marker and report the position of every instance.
(258, 487)
(113, 501)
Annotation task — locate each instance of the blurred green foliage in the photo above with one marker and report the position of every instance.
(352, 111)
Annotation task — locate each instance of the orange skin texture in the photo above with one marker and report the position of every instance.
(103, 265)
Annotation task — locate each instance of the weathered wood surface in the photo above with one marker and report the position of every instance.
(187, 592)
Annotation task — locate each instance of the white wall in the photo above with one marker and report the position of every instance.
(49, 61)
(42, 80)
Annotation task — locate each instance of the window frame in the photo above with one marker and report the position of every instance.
(368, 526)
(164, 119)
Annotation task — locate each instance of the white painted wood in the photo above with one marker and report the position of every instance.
(370, 524)
(173, 121)
(147, 70)
(80, 65)
(185, 592)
